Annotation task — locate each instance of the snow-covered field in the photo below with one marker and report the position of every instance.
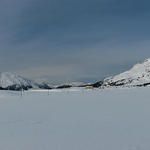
(112, 119)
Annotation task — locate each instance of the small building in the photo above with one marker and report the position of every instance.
(89, 87)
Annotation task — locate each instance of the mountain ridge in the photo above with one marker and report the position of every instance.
(138, 75)
(12, 81)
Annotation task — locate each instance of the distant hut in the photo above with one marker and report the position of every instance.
(89, 87)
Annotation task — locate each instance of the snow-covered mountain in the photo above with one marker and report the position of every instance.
(10, 81)
(44, 85)
(138, 75)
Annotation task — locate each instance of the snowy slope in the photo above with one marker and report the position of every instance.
(138, 75)
(75, 120)
(12, 81)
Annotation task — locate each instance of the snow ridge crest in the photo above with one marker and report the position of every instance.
(138, 75)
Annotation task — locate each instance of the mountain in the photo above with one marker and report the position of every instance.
(44, 85)
(70, 84)
(138, 75)
(10, 81)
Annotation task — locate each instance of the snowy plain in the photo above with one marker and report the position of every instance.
(75, 119)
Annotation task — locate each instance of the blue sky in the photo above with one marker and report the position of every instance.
(73, 40)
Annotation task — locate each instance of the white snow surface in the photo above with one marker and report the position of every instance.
(139, 74)
(9, 79)
(75, 119)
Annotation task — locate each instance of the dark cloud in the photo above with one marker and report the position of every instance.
(84, 38)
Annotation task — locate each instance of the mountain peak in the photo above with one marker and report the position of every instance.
(12, 81)
(138, 75)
